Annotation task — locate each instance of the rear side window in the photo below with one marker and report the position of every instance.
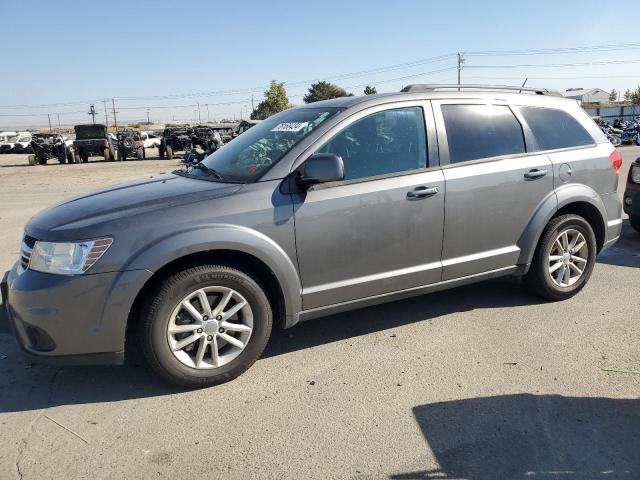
(481, 131)
(555, 128)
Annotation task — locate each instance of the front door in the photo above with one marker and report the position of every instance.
(379, 230)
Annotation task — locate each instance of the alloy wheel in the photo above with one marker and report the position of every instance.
(210, 327)
(568, 257)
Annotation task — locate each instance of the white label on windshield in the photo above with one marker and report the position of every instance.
(289, 127)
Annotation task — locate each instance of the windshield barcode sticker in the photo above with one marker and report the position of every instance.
(289, 127)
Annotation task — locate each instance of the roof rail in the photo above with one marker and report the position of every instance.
(426, 87)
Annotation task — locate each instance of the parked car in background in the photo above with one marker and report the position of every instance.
(632, 195)
(174, 139)
(18, 143)
(92, 140)
(319, 209)
(150, 139)
(5, 136)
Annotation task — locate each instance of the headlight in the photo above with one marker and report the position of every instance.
(67, 258)
(635, 173)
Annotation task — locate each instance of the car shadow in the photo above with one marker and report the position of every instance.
(530, 436)
(626, 251)
(29, 387)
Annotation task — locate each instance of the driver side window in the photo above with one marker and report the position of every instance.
(390, 141)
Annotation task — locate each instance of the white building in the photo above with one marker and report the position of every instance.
(587, 95)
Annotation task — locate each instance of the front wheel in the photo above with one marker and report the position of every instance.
(168, 152)
(564, 258)
(205, 325)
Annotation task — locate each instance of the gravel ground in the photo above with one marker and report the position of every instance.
(482, 382)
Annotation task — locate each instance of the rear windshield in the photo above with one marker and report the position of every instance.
(91, 131)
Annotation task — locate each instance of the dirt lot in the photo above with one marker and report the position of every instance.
(484, 382)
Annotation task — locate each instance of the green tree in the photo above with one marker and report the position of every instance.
(627, 95)
(324, 91)
(370, 90)
(613, 96)
(275, 100)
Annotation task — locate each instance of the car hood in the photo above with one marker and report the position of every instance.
(124, 200)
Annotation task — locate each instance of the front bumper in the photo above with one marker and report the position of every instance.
(70, 320)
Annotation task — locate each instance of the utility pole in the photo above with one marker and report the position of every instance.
(49, 118)
(59, 126)
(115, 120)
(207, 105)
(106, 115)
(148, 121)
(460, 63)
(252, 109)
(93, 113)
(199, 119)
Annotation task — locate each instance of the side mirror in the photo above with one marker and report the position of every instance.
(322, 168)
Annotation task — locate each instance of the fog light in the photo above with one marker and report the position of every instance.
(628, 201)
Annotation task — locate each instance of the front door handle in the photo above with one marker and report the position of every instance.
(421, 192)
(535, 173)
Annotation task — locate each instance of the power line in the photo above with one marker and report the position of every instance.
(557, 65)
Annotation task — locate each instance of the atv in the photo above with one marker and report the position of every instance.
(47, 146)
(129, 144)
(174, 139)
(92, 140)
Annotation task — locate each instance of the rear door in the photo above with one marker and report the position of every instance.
(493, 186)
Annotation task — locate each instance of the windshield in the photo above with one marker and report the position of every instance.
(92, 131)
(251, 154)
(13, 139)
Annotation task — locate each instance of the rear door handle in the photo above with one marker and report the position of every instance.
(535, 173)
(421, 192)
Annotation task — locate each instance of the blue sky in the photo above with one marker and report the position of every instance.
(59, 52)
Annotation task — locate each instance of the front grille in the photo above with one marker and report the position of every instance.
(25, 251)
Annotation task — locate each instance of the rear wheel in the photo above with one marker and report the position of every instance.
(85, 157)
(205, 325)
(168, 152)
(107, 154)
(634, 220)
(31, 159)
(564, 258)
(120, 155)
(140, 154)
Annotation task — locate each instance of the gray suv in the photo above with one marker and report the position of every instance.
(320, 209)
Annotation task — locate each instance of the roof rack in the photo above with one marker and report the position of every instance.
(426, 87)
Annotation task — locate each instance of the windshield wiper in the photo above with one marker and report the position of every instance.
(209, 171)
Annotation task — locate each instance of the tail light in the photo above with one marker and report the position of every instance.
(616, 160)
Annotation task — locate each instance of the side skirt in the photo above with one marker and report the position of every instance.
(411, 292)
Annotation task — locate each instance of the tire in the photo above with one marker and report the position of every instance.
(107, 154)
(84, 156)
(163, 304)
(71, 158)
(144, 153)
(62, 159)
(121, 156)
(168, 152)
(31, 159)
(539, 278)
(140, 154)
(634, 220)
(160, 152)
